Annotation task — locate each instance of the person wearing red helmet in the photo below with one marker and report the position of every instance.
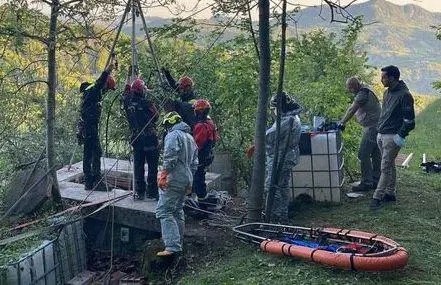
(206, 135)
(185, 88)
(142, 116)
(87, 133)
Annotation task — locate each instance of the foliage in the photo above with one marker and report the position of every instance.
(412, 222)
(225, 73)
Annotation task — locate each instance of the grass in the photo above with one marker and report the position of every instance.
(413, 221)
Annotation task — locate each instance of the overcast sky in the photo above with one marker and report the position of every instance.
(431, 5)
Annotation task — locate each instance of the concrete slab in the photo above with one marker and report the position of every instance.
(127, 212)
(84, 278)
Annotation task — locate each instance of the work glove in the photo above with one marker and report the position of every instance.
(162, 179)
(399, 141)
(341, 126)
(250, 151)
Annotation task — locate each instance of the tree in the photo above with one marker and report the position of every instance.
(74, 11)
(255, 197)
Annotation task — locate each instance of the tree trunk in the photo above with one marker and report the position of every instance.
(50, 101)
(277, 162)
(255, 198)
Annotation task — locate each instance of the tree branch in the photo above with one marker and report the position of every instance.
(10, 32)
(29, 83)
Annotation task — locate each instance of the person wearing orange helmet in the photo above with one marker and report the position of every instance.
(185, 88)
(206, 135)
(142, 116)
(88, 126)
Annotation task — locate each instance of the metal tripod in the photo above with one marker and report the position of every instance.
(136, 10)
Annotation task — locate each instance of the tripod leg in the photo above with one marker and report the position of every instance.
(152, 49)
(121, 24)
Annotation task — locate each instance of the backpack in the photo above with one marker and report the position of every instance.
(141, 117)
(206, 155)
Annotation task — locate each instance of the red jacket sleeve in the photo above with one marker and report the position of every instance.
(154, 111)
(200, 134)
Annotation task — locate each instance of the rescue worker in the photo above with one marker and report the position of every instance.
(175, 180)
(88, 126)
(142, 116)
(205, 134)
(184, 107)
(290, 130)
(366, 109)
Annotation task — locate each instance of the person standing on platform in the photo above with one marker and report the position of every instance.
(87, 127)
(142, 116)
(175, 180)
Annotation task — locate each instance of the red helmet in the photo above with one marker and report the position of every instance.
(138, 86)
(185, 83)
(201, 105)
(110, 82)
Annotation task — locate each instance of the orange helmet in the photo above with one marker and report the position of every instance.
(138, 86)
(110, 82)
(185, 82)
(201, 105)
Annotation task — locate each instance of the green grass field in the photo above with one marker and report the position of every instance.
(414, 221)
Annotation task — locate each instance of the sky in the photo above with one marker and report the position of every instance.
(188, 5)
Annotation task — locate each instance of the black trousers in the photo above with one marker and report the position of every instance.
(92, 160)
(141, 156)
(199, 186)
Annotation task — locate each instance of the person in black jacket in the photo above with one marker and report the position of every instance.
(142, 116)
(88, 125)
(184, 107)
(397, 119)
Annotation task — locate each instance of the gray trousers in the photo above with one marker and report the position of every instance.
(369, 156)
(170, 212)
(279, 211)
(389, 151)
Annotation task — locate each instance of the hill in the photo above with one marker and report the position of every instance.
(393, 34)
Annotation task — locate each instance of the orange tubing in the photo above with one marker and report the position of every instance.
(397, 259)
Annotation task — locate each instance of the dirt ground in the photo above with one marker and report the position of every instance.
(206, 241)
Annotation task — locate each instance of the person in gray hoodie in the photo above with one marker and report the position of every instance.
(180, 162)
(397, 119)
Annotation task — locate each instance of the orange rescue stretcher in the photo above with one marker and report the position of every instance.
(341, 248)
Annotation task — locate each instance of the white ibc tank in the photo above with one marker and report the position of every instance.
(319, 174)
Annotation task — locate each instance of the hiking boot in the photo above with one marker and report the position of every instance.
(362, 187)
(88, 186)
(100, 186)
(152, 193)
(389, 198)
(153, 196)
(165, 253)
(375, 204)
(139, 196)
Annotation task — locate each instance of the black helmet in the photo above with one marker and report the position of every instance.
(288, 103)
